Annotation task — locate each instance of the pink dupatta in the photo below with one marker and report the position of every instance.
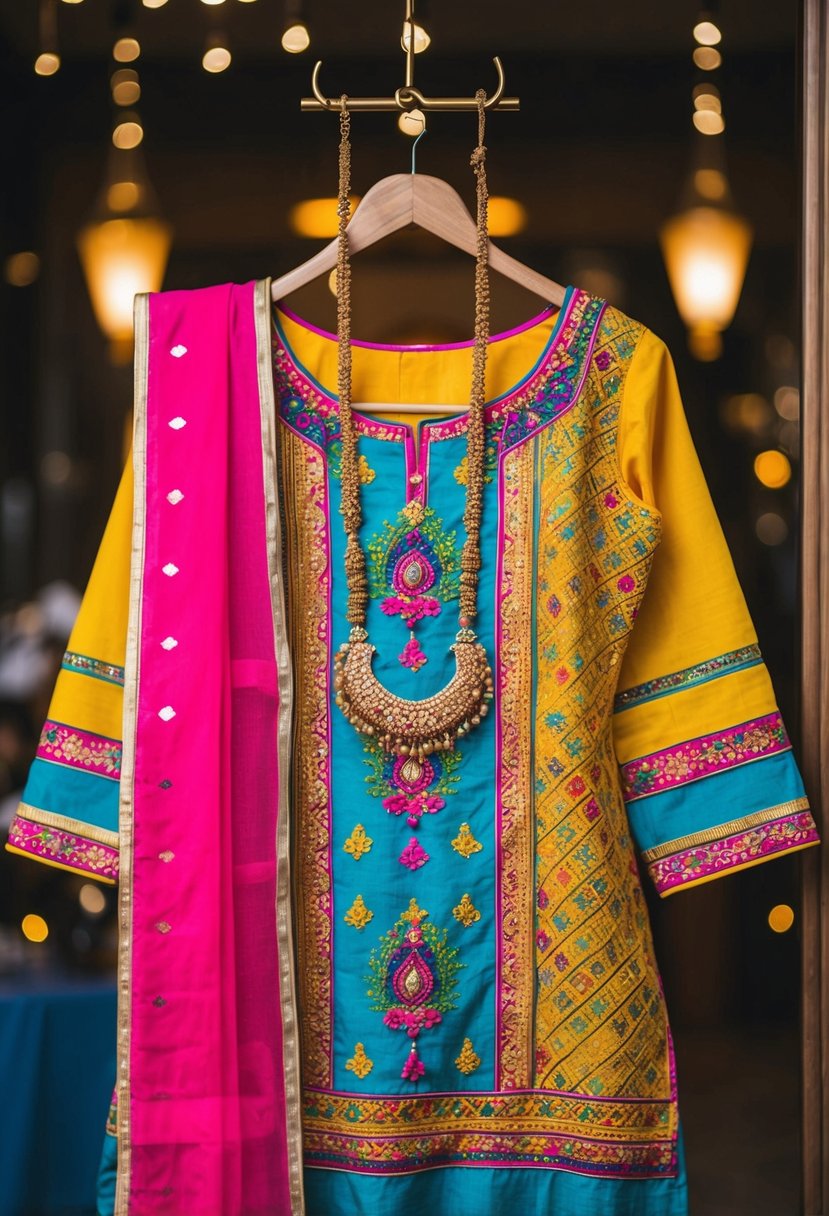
(208, 1069)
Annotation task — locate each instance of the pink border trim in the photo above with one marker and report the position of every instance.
(700, 757)
(417, 347)
(733, 852)
(80, 749)
(65, 848)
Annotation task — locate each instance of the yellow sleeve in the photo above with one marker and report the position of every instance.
(68, 816)
(707, 769)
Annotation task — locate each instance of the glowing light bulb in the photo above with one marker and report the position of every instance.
(706, 33)
(126, 89)
(216, 59)
(47, 63)
(34, 928)
(708, 122)
(296, 38)
(421, 38)
(707, 58)
(771, 529)
(412, 122)
(772, 469)
(21, 269)
(128, 134)
(781, 918)
(126, 50)
(92, 899)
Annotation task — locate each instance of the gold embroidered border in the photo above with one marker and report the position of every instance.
(75, 826)
(304, 481)
(396, 1135)
(515, 839)
(262, 304)
(731, 828)
(127, 790)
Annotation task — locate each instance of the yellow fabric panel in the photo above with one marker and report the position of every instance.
(88, 704)
(100, 630)
(418, 376)
(693, 608)
(701, 709)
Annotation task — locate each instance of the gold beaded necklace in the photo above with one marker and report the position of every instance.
(403, 727)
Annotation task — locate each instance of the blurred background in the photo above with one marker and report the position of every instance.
(654, 162)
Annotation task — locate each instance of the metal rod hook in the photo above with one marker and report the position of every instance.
(417, 141)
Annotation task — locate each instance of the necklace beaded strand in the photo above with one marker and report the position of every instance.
(412, 728)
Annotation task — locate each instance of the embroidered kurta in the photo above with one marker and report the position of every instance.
(480, 1014)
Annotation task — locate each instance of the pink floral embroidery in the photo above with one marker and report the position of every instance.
(413, 856)
(626, 583)
(411, 610)
(414, 1020)
(422, 804)
(413, 1069)
(412, 656)
(611, 501)
(603, 360)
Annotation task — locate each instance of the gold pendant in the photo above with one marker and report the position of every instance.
(413, 728)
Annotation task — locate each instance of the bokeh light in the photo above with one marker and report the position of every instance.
(34, 928)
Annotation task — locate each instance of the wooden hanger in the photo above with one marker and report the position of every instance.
(432, 204)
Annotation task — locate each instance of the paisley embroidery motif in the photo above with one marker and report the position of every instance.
(414, 566)
(410, 787)
(413, 980)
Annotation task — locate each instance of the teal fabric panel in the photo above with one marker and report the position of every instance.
(107, 1176)
(72, 792)
(486, 1192)
(715, 800)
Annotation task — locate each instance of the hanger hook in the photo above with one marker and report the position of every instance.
(417, 140)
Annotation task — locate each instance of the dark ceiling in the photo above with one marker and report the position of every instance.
(371, 27)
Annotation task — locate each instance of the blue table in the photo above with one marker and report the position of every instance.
(57, 1070)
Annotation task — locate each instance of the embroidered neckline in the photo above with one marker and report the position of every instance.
(314, 411)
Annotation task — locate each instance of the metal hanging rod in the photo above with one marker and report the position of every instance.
(408, 97)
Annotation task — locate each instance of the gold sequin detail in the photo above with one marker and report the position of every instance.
(163, 926)
(465, 843)
(358, 843)
(365, 471)
(466, 912)
(358, 915)
(166, 856)
(360, 1064)
(468, 1060)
